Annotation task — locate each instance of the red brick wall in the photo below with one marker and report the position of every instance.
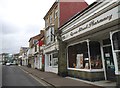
(68, 9)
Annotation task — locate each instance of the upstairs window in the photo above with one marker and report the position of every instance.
(35, 48)
(50, 35)
(46, 22)
(47, 36)
(56, 14)
(51, 18)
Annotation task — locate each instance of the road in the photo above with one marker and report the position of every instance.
(14, 76)
(0, 75)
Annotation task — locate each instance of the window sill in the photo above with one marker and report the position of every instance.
(53, 66)
(87, 70)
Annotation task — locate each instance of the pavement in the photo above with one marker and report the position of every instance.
(57, 81)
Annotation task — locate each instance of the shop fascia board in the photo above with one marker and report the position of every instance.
(50, 48)
(107, 17)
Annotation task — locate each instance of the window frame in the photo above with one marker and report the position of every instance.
(50, 37)
(87, 70)
(50, 18)
(52, 60)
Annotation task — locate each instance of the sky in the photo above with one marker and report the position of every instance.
(20, 20)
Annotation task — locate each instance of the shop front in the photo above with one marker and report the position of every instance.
(92, 43)
(51, 59)
(84, 60)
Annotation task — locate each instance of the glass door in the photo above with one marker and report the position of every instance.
(109, 63)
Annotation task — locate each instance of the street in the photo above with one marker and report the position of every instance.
(14, 76)
(0, 75)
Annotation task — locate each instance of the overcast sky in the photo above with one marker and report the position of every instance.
(20, 20)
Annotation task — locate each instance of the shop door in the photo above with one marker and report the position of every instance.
(40, 62)
(109, 63)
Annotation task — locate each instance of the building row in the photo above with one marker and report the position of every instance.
(8, 58)
(78, 40)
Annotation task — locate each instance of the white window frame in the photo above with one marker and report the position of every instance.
(117, 72)
(54, 60)
(86, 70)
(50, 36)
(51, 62)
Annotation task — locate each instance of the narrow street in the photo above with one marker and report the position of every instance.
(13, 76)
(0, 75)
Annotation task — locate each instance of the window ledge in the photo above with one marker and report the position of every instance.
(53, 66)
(87, 70)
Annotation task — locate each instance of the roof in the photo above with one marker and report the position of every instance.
(34, 37)
(79, 13)
(41, 35)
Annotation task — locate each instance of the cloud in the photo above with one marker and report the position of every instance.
(12, 43)
(20, 20)
(8, 28)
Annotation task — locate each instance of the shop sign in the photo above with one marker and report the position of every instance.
(96, 22)
(91, 24)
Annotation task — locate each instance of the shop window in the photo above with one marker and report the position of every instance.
(116, 40)
(55, 59)
(95, 55)
(116, 46)
(118, 58)
(78, 56)
(50, 60)
(55, 62)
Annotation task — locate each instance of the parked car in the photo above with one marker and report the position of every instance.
(12, 63)
(8, 64)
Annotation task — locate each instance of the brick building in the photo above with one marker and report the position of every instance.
(57, 15)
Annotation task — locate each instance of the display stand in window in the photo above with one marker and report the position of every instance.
(79, 61)
(86, 63)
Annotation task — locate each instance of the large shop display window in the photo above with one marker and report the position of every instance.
(53, 59)
(80, 58)
(95, 55)
(116, 46)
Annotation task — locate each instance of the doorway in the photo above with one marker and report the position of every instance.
(109, 63)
